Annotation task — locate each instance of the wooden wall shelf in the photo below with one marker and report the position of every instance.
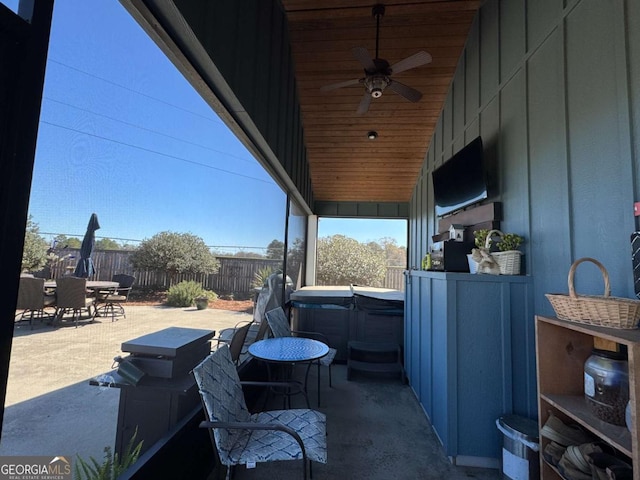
(483, 216)
(561, 350)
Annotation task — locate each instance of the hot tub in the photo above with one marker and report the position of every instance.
(344, 313)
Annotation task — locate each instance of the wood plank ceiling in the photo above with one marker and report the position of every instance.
(345, 165)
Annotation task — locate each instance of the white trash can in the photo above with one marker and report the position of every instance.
(520, 447)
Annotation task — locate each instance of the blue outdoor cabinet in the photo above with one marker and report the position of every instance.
(470, 357)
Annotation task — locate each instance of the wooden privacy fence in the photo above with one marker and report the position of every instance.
(235, 276)
(394, 278)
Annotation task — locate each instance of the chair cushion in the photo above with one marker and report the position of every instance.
(269, 445)
(328, 358)
(49, 300)
(115, 298)
(225, 335)
(223, 399)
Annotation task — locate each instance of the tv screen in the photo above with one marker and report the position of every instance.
(461, 180)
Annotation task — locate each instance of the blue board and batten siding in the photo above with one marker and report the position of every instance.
(554, 101)
(554, 89)
(470, 356)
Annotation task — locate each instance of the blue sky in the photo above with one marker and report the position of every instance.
(124, 135)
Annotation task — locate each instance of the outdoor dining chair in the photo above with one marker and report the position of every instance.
(279, 325)
(258, 328)
(71, 295)
(235, 337)
(110, 301)
(33, 300)
(241, 438)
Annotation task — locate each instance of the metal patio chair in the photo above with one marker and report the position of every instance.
(242, 438)
(111, 301)
(235, 337)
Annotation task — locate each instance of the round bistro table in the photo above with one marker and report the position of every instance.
(288, 351)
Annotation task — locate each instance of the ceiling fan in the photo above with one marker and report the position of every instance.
(378, 71)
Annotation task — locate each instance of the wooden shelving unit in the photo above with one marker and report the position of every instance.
(561, 350)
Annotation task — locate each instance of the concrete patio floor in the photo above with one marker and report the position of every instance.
(376, 430)
(50, 408)
(376, 427)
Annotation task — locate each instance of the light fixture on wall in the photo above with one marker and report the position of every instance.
(372, 135)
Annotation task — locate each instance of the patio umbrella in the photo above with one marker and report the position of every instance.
(85, 264)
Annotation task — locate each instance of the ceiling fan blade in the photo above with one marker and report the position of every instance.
(415, 60)
(362, 55)
(334, 86)
(364, 104)
(407, 92)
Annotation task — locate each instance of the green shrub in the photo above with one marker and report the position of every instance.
(174, 253)
(343, 260)
(184, 293)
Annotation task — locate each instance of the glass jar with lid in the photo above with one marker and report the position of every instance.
(606, 385)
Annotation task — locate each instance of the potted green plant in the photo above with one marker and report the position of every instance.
(509, 241)
(201, 302)
(480, 237)
(508, 256)
(506, 244)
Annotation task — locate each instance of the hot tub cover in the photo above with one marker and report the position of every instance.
(368, 298)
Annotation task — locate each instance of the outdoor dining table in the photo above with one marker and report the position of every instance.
(287, 351)
(93, 285)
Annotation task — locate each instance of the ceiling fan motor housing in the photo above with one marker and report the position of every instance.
(376, 84)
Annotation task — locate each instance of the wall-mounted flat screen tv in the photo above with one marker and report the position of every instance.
(461, 181)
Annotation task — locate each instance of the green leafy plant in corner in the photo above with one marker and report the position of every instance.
(184, 294)
(260, 277)
(112, 466)
(510, 241)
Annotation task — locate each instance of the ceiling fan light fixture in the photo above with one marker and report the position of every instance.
(372, 135)
(376, 84)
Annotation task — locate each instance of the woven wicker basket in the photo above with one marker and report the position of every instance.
(509, 261)
(605, 310)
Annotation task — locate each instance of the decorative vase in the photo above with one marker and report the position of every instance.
(473, 265)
